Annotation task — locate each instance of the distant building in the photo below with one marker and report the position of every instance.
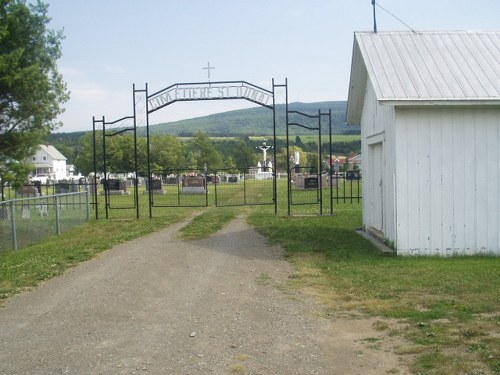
(429, 108)
(49, 164)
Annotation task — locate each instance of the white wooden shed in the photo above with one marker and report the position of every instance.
(429, 108)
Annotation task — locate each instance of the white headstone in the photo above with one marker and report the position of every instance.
(25, 214)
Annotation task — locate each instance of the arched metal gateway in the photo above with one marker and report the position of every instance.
(169, 187)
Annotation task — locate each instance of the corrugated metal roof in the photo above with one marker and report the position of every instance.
(421, 68)
(432, 65)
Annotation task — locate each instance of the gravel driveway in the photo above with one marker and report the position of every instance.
(161, 305)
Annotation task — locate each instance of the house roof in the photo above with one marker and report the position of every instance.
(412, 68)
(52, 152)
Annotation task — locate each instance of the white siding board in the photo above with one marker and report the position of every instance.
(390, 155)
(447, 206)
(448, 181)
(478, 153)
(457, 153)
(424, 190)
(402, 183)
(367, 128)
(414, 203)
(471, 177)
(436, 181)
(492, 124)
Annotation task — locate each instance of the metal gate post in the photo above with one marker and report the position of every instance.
(106, 190)
(96, 204)
(320, 177)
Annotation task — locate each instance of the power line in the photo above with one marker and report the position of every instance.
(391, 14)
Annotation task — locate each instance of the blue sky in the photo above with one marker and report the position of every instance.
(112, 44)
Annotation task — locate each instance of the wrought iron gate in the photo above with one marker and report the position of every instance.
(244, 187)
(311, 185)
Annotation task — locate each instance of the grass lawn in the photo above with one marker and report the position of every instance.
(448, 310)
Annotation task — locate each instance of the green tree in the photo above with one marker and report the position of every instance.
(166, 152)
(230, 165)
(313, 162)
(298, 142)
(244, 155)
(31, 89)
(203, 151)
(85, 159)
(9, 169)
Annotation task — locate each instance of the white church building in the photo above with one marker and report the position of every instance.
(429, 108)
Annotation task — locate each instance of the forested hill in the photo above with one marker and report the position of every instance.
(257, 121)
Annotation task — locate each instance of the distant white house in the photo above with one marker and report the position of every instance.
(429, 108)
(49, 164)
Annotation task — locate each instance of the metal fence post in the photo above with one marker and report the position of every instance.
(58, 226)
(87, 203)
(13, 215)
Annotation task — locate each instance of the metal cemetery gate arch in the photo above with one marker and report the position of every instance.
(302, 188)
(145, 104)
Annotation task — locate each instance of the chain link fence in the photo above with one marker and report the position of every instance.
(28, 220)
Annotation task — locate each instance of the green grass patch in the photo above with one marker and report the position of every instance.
(208, 223)
(449, 305)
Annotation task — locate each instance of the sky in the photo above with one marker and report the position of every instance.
(110, 45)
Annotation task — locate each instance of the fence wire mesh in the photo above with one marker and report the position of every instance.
(28, 220)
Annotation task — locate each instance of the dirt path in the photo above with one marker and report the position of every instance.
(160, 305)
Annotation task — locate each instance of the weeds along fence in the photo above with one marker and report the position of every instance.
(27, 221)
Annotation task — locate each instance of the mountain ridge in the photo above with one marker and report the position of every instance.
(258, 121)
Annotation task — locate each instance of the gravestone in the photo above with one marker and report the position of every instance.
(156, 187)
(25, 213)
(29, 191)
(233, 179)
(114, 186)
(43, 209)
(352, 175)
(62, 187)
(194, 185)
(111, 184)
(38, 186)
(311, 182)
(171, 180)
